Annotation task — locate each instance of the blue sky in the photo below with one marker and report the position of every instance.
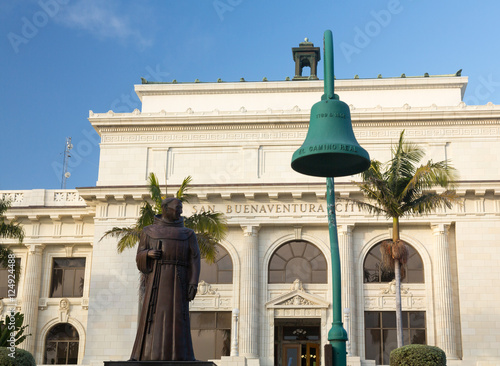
(61, 58)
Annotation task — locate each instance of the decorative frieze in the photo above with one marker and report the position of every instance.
(298, 313)
(13, 198)
(65, 196)
(381, 297)
(127, 134)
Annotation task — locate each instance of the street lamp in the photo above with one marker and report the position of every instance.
(331, 150)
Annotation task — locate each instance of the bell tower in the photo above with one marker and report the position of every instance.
(306, 55)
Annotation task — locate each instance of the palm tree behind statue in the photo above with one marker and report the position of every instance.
(400, 188)
(210, 227)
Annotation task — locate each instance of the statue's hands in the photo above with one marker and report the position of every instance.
(154, 254)
(192, 292)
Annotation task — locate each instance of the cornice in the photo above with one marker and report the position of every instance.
(292, 119)
(309, 86)
(252, 191)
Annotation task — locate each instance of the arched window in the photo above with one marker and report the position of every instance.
(373, 272)
(219, 272)
(61, 345)
(297, 259)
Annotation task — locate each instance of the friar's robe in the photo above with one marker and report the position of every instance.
(163, 332)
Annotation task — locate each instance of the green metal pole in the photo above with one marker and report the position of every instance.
(337, 335)
(329, 82)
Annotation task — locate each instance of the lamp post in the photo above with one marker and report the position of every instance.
(331, 150)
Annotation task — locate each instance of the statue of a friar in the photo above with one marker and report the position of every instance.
(169, 256)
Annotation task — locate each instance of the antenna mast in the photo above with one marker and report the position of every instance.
(65, 173)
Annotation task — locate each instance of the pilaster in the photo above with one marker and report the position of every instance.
(31, 295)
(249, 319)
(347, 275)
(445, 325)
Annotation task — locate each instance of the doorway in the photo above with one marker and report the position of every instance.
(297, 342)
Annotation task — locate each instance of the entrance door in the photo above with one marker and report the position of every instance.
(312, 356)
(297, 342)
(301, 354)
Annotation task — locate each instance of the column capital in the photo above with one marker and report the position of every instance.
(345, 229)
(35, 248)
(440, 229)
(250, 230)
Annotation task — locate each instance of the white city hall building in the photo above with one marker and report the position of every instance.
(268, 298)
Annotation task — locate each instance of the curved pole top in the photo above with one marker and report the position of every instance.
(328, 64)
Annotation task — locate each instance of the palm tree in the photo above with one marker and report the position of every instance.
(400, 188)
(210, 227)
(12, 230)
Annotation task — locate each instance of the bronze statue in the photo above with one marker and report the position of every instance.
(169, 256)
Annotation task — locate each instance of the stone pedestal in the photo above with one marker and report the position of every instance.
(158, 363)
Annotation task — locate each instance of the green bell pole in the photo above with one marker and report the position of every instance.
(337, 334)
(331, 150)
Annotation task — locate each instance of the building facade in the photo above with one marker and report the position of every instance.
(267, 300)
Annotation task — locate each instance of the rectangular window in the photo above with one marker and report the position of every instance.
(381, 336)
(68, 275)
(8, 279)
(211, 334)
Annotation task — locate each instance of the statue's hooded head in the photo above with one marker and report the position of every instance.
(171, 209)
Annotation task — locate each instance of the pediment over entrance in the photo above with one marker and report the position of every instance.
(297, 298)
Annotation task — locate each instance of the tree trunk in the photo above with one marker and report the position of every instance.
(397, 274)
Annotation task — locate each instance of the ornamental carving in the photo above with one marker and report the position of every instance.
(297, 285)
(391, 289)
(298, 300)
(205, 288)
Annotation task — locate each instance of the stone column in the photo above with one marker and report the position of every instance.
(347, 274)
(31, 295)
(445, 325)
(249, 319)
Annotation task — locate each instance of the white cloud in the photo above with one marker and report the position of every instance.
(102, 19)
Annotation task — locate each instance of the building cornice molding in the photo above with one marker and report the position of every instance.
(309, 86)
(252, 191)
(106, 123)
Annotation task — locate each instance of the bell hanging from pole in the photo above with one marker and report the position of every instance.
(330, 148)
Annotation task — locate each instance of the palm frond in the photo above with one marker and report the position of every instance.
(439, 174)
(210, 223)
(146, 215)
(362, 205)
(154, 190)
(430, 201)
(4, 206)
(183, 189)
(11, 231)
(128, 236)
(208, 247)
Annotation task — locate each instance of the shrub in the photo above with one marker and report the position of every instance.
(21, 357)
(418, 355)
